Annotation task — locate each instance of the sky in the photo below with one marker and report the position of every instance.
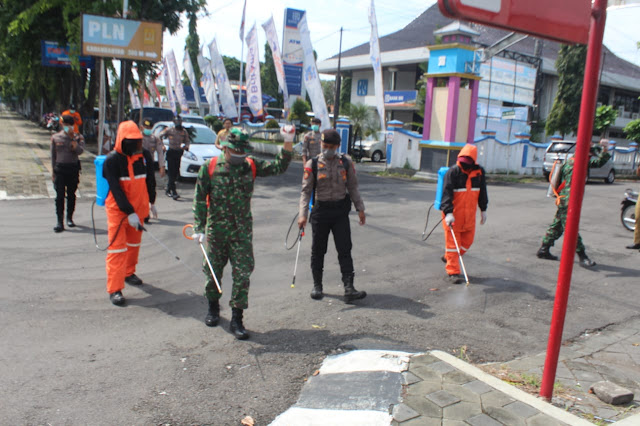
(327, 16)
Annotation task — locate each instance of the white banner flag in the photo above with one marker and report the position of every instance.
(135, 100)
(272, 38)
(311, 78)
(224, 88)
(191, 73)
(244, 12)
(252, 70)
(177, 82)
(209, 85)
(376, 61)
(168, 87)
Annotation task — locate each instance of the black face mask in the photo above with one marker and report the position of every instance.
(131, 146)
(178, 126)
(466, 166)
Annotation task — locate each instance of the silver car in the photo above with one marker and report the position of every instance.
(375, 149)
(566, 149)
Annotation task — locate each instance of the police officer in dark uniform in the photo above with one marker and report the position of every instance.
(331, 179)
(178, 143)
(66, 146)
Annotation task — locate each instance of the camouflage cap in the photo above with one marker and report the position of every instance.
(238, 140)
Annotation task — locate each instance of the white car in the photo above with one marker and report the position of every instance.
(201, 149)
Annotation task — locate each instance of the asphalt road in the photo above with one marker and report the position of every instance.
(70, 357)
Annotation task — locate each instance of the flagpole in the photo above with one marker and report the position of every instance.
(240, 87)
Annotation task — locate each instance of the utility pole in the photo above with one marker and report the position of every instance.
(123, 69)
(336, 103)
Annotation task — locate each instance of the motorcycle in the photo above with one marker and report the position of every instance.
(628, 209)
(54, 123)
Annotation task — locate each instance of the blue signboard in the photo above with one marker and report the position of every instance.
(400, 99)
(54, 55)
(292, 53)
(362, 88)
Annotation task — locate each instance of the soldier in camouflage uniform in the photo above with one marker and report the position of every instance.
(222, 213)
(599, 156)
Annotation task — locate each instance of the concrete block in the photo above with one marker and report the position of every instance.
(462, 393)
(461, 411)
(402, 413)
(612, 393)
(543, 420)
(423, 406)
(409, 378)
(505, 417)
(425, 373)
(457, 377)
(521, 409)
(423, 388)
(423, 421)
(441, 367)
(483, 420)
(443, 398)
(478, 387)
(495, 399)
(424, 359)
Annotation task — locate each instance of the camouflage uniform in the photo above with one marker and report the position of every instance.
(227, 220)
(556, 228)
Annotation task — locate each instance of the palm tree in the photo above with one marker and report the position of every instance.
(360, 117)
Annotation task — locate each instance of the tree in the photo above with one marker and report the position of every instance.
(232, 65)
(632, 130)
(605, 117)
(329, 90)
(299, 111)
(269, 79)
(565, 112)
(360, 117)
(192, 44)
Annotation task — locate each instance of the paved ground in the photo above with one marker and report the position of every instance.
(69, 356)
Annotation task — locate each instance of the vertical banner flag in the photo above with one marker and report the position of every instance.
(311, 77)
(156, 92)
(376, 61)
(209, 85)
(292, 54)
(272, 38)
(244, 11)
(252, 70)
(191, 73)
(135, 100)
(146, 99)
(224, 88)
(167, 85)
(177, 83)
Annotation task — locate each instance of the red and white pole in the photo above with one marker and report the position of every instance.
(585, 130)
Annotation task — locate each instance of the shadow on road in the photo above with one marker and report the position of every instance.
(500, 285)
(617, 271)
(185, 305)
(389, 302)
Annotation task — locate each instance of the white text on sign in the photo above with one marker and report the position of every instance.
(106, 31)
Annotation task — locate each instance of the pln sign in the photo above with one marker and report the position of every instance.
(121, 38)
(566, 21)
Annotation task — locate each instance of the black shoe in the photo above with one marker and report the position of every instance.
(213, 316)
(316, 293)
(236, 326)
(544, 253)
(585, 261)
(70, 223)
(350, 293)
(634, 247)
(133, 280)
(117, 298)
(174, 195)
(168, 193)
(444, 259)
(59, 227)
(454, 279)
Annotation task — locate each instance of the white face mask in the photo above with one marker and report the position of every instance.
(329, 153)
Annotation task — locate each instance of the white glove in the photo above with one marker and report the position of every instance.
(199, 238)
(449, 219)
(134, 221)
(154, 211)
(483, 218)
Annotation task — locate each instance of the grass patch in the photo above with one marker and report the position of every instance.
(493, 178)
(397, 175)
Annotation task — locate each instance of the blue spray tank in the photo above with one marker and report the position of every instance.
(440, 187)
(102, 186)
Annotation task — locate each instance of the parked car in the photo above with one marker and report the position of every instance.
(153, 113)
(188, 118)
(203, 146)
(374, 147)
(566, 149)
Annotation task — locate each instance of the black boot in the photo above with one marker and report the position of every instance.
(167, 192)
(117, 298)
(236, 326)
(59, 227)
(350, 293)
(174, 195)
(585, 261)
(70, 223)
(133, 280)
(544, 253)
(316, 293)
(213, 316)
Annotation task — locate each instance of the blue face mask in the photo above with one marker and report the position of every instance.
(146, 131)
(315, 127)
(72, 111)
(66, 129)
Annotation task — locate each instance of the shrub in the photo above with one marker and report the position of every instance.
(272, 124)
(213, 122)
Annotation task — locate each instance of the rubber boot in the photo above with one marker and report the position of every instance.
(174, 194)
(316, 293)
(350, 293)
(544, 253)
(70, 223)
(236, 326)
(585, 261)
(213, 316)
(59, 227)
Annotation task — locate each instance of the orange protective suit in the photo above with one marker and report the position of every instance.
(464, 191)
(127, 194)
(77, 119)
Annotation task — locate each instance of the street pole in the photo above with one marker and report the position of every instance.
(336, 103)
(101, 108)
(123, 68)
(585, 130)
(240, 87)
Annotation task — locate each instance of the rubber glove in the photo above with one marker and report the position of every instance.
(134, 221)
(483, 218)
(199, 238)
(154, 211)
(449, 219)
